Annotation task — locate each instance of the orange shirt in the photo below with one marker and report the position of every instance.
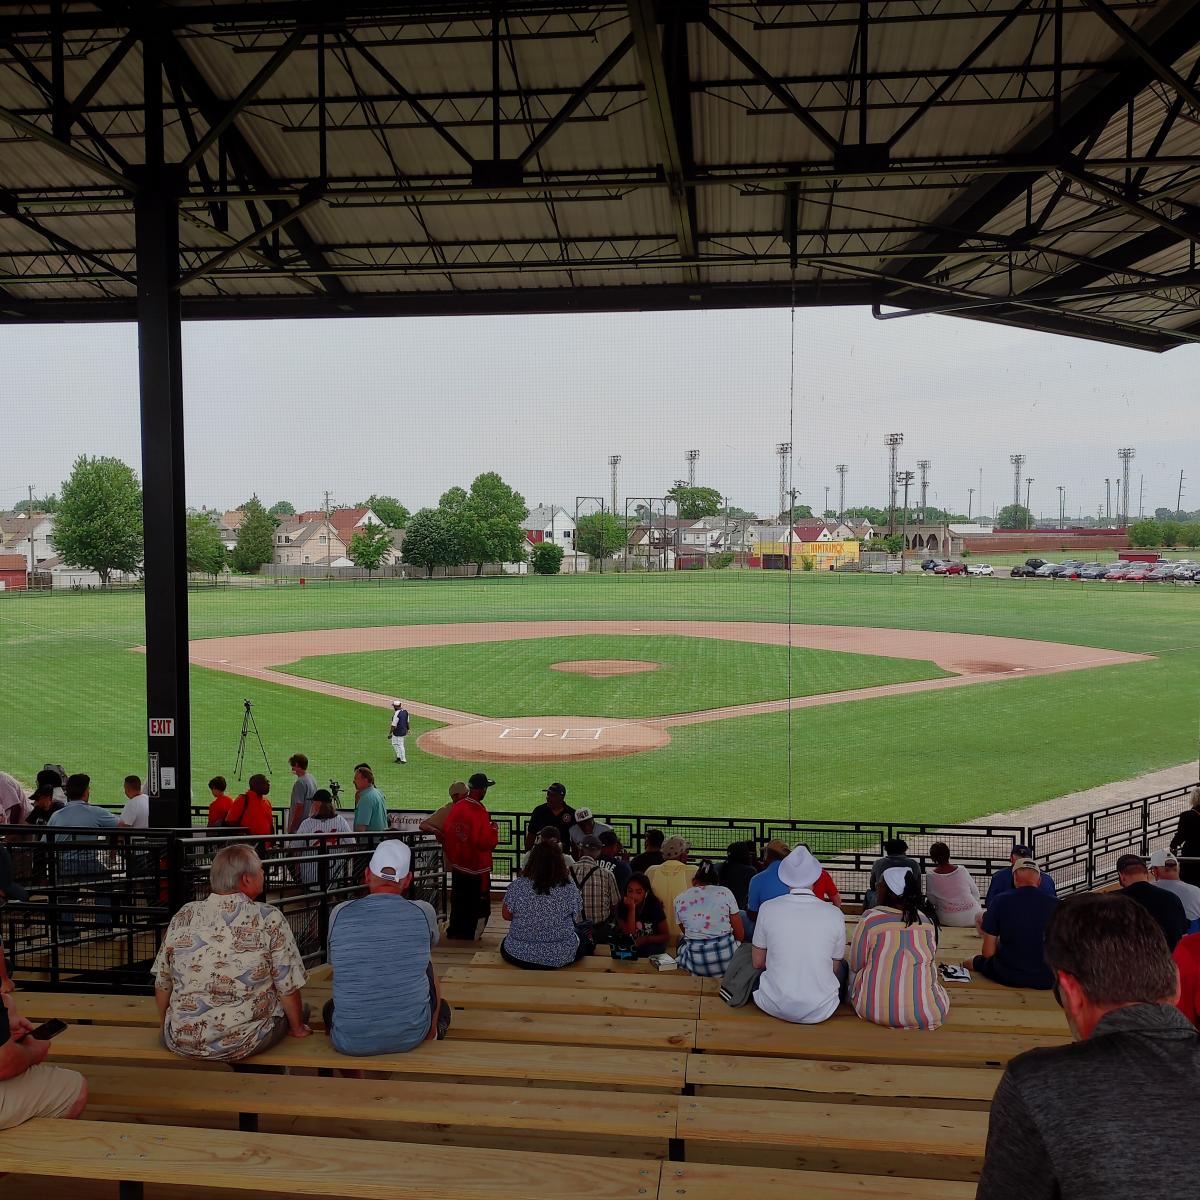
(253, 812)
(218, 810)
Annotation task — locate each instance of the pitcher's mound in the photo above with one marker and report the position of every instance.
(602, 668)
(542, 739)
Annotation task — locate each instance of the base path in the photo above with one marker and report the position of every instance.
(972, 658)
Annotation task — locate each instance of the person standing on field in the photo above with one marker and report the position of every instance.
(398, 729)
(303, 791)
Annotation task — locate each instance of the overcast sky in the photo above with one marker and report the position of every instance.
(410, 407)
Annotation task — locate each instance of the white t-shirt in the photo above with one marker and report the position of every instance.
(136, 813)
(802, 936)
(954, 896)
(1188, 893)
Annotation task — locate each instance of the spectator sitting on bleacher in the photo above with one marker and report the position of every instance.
(42, 804)
(542, 904)
(585, 826)
(228, 975)
(549, 834)
(651, 854)
(28, 1087)
(895, 854)
(596, 882)
(613, 853)
(1003, 882)
(1165, 867)
(1116, 1110)
(322, 826)
(1013, 929)
(738, 870)
(1163, 906)
(386, 997)
(893, 958)
(710, 923)
(799, 945)
(951, 890)
(1187, 959)
(640, 918)
(766, 885)
(672, 876)
(555, 811)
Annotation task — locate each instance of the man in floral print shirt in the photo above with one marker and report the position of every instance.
(228, 974)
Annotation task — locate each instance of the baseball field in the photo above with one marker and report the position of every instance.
(914, 698)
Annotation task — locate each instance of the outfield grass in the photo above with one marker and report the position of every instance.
(73, 692)
(514, 679)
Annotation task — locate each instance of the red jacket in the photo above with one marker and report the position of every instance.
(1187, 959)
(469, 838)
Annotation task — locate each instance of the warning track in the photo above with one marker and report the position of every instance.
(971, 658)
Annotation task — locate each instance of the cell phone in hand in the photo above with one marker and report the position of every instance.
(48, 1030)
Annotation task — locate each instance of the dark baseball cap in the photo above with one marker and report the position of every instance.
(11, 889)
(480, 780)
(1021, 850)
(1130, 862)
(556, 789)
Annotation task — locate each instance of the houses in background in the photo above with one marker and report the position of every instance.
(20, 534)
(319, 539)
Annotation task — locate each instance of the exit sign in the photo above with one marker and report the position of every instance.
(162, 726)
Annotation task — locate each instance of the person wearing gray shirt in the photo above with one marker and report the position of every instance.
(303, 790)
(1164, 866)
(1080, 1122)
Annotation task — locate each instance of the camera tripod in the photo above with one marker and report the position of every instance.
(248, 724)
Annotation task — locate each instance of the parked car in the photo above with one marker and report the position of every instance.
(979, 569)
(930, 564)
(1116, 570)
(1046, 571)
(1163, 573)
(1067, 570)
(950, 568)
(1185, 571)
(1027, 568)
(1136, 573)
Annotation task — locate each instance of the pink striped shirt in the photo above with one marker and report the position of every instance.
(895, 972)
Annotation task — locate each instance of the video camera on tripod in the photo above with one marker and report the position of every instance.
(335, 790)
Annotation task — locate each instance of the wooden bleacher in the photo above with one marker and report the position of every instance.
(626, 1082)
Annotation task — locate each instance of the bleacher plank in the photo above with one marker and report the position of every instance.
(934, 1143)
(601, 961)
(860, 1041)
(339, 1168)
(841, 1082)
(707, 1181)
(627, 1124)
(674, 982)
(554, 1029)
(595, 1000)
(568, 1063)
(960, 1019)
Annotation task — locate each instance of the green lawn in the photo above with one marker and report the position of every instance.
(514, 679)
(72, 692)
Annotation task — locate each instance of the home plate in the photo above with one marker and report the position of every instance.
(542, 739)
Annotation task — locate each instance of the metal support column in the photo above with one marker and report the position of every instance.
(156, 218)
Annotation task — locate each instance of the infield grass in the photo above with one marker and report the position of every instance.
(514, 679)
(71, 691)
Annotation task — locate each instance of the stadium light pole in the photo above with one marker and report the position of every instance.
(923, 466)
(1062, 507)
(842, 469)
(784, 450)
(970, 501)
(692, 456)
(614, 461)
(1108, 501)
(1018, 461)
(893, 442)
(1126, 454)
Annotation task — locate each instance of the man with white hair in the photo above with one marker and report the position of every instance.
(386, 997)
(228, 975)
(1165, 868)
(1013, 930)
(398, 730)
(799, 945)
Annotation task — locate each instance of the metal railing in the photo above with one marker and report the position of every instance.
(100, 902)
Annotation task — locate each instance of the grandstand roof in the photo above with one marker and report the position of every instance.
(1033, 162)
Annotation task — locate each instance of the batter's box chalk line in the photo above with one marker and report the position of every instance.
(528, 733)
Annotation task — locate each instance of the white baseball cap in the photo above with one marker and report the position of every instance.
(1161, 858)
(391, 861)
(397, 703)
(583, 814)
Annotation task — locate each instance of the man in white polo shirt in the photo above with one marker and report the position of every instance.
(800, 944)
(136, 813)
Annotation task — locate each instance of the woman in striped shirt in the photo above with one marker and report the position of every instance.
(893, 958)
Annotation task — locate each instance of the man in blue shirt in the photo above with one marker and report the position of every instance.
(1002, 881)
(1014, 929)
(78, 862)
(386, 997)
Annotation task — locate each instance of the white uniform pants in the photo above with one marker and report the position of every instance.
(398, 747)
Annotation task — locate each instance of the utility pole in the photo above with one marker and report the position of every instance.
(1179, 499)
(841, 469)
(826, 500)
(1141, 496)
(614, 461)
(1018, 461)
(1118, 501)
(970, 501)
(1126, 454)
(1029, 518)
(893, 442)
(784, 450)
(328, 534)
(29, 514)
(1062, 507)
(905, 478)
(692, 456)
(1108, 501)
(923, 467)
